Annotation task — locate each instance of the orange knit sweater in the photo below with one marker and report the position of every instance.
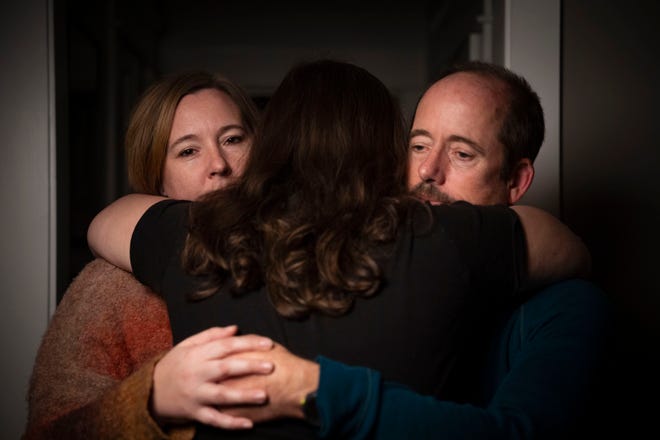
(93, 372)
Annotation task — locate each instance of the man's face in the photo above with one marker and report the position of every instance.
(454, 153)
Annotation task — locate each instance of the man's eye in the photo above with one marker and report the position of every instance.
(417, 148)
(463, 155)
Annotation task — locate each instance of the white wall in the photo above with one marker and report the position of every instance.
(532, 49)
(26, 196)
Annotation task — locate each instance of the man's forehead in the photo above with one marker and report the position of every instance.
(461, 96)
(468, 86)
(459, 115)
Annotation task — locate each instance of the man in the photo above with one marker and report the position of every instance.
(475, 135)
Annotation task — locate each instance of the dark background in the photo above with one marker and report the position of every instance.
(610, 130)
(108, 52)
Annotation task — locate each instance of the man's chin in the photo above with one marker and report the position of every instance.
(432, 200)
(430, 194)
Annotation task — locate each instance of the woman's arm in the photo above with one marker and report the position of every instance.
(189, 382)
(554, 252)
(106, 326)
(93, 375)
(109, 234)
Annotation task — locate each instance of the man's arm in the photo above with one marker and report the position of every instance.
(554, 252)
(552, 357)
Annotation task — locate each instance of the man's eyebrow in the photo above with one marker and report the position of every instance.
(420, 132)
(452, 138)
(470, 142)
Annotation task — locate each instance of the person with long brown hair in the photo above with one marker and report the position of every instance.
(320, 247)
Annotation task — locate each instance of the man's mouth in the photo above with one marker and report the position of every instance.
(429, 193)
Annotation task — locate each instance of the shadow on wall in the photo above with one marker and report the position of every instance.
(615, 228)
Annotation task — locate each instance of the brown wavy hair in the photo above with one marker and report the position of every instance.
(323, 192)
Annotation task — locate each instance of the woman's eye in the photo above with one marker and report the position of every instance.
(186, 152)
(231, 140)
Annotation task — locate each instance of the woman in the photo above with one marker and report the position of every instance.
(188, 134)
(320, 242)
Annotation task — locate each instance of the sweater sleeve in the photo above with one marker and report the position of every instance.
(122, 412)
(106, 326)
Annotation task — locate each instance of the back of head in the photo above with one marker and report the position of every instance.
(335, 134)
(523, 127)
(150, 123)
(319, 193)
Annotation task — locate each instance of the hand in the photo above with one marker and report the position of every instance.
(188, 380)
(292, 379)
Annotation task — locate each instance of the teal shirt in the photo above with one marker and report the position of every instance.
(543, 379)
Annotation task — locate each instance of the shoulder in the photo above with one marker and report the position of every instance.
(576, 299)
(167, 209)
(100, 279)
(160, 225)
(103, 291)
(462, 219)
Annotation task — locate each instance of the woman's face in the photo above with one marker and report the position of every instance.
(207, 147)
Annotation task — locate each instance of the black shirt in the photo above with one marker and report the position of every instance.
(445, 273)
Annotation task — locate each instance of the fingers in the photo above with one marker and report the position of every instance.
(208, 335)
(214, 417)
(218, 342)
(221, 369)
(217, 349)
(257, 414)
(220, 395)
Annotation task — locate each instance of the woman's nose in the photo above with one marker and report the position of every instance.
(219, 166)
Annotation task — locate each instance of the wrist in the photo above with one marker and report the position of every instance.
(310, 410)
(304, 402)
(156, 410)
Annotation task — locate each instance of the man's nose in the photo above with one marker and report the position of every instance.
(432, 168)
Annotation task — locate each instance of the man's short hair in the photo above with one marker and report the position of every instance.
(523, 128)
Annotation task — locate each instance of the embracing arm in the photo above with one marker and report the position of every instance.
(544, 393)
(87, 376)
(554, 252)
(109, 234)
(119, 412)
(354, 403)
(553, 356)
(94, 372)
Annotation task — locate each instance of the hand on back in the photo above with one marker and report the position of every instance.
(190, 380)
